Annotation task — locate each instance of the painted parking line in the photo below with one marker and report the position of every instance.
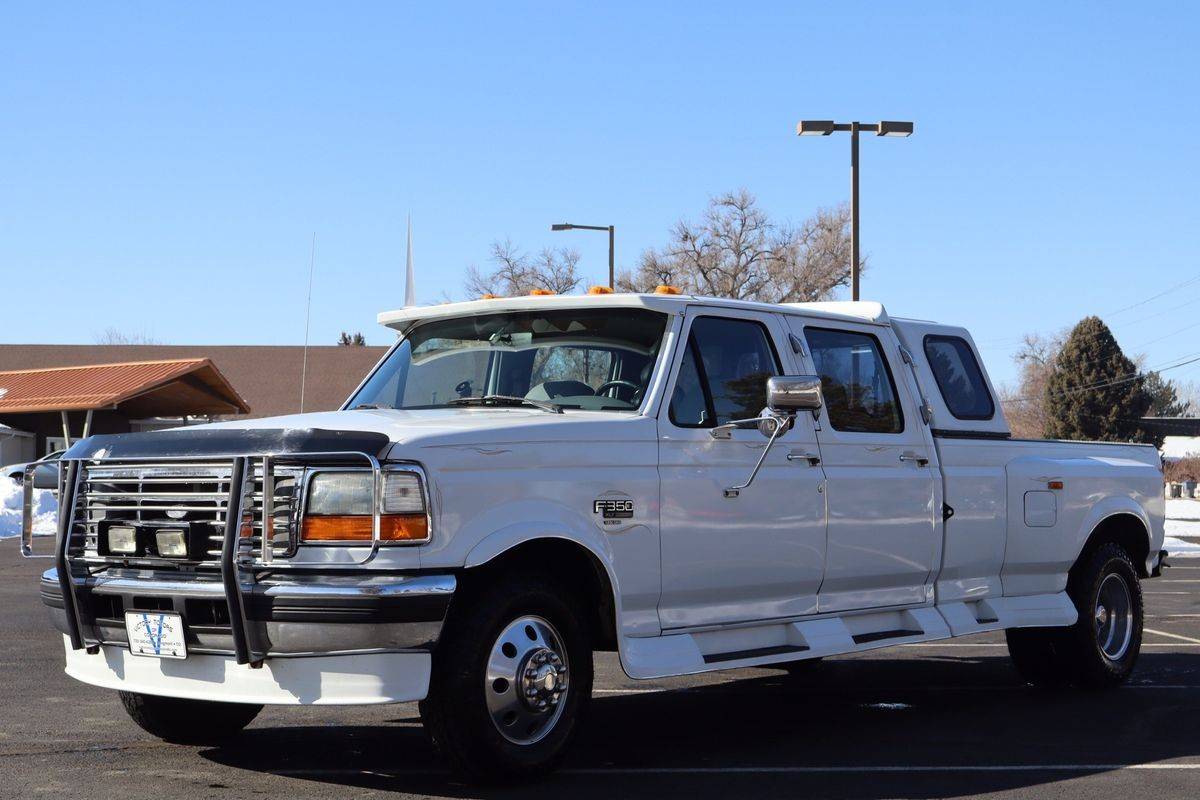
(850, 769)
(716, 688)
(991, 644)
(1173, 636)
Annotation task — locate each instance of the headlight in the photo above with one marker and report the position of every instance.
(338, 508)
(336, 494)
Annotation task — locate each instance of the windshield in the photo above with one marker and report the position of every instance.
(594, 359)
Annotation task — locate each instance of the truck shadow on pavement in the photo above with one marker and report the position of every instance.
(829, 730)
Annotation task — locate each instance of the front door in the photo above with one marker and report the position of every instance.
(880, 470)
(759, 555)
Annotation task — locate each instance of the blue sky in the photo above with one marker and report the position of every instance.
(163, 167)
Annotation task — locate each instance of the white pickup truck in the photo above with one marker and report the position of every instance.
(697, 484)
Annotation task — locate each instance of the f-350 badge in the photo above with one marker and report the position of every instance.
(613, 509)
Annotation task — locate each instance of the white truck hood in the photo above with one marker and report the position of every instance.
(449, 427)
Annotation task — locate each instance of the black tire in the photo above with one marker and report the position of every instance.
(188, 721)
(456, 713)
(801, 668)
(1101, 649)
(1036, 658)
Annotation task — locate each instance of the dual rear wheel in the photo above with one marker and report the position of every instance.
(1100, 650)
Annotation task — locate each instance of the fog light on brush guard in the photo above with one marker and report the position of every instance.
(339, 508)
(171, 543)
(122, 540)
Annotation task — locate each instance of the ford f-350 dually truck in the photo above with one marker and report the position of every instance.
(697, 484)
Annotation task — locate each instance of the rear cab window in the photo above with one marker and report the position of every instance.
(856, 381)
(959, 377)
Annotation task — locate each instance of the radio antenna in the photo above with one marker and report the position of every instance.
(410, 281)
(312, 261)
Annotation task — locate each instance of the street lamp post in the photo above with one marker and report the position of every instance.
(824, 127)
(567, 226)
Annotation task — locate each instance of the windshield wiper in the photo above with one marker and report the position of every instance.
(505, 400)
(368, 407)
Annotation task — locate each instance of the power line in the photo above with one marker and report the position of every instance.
(991, 344)
(1107, 383)
(1163, 293)
(1166, 336)
(1008, 341)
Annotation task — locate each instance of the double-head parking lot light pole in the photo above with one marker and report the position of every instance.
(824, 127)
(567, 226)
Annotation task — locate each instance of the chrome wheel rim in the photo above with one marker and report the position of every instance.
(1113, 616)
(527, 680)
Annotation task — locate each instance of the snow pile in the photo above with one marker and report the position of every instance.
(1183, 520)
(1175, 448)
(45, 508)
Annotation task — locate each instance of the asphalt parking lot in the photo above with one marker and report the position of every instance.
(938, 720)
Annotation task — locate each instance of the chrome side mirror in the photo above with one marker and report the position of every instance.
(27, 487)
(787, 394)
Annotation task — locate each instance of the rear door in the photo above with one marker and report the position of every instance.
(883, 541)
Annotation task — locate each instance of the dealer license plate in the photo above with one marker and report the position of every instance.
(155, 633)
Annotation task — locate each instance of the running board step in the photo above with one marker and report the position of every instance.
(757, 652)
(876, 636)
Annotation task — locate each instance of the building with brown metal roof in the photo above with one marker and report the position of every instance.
(143, 387)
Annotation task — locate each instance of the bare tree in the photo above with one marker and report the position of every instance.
(113, 335)
(737, 251)
(517, 273)
(1189, 396)
(1025, 406)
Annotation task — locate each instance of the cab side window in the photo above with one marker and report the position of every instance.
(724, 373)
(857, 384)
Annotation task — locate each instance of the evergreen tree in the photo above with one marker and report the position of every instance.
(1095, 392)
(1164, 397)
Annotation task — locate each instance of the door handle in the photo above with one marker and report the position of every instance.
(909, 455)
(812, 458)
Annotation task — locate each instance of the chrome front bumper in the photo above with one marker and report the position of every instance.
(288, 615)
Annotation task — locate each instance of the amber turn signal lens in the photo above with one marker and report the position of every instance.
(392, 528)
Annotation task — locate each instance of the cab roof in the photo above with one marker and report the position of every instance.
(853, 311)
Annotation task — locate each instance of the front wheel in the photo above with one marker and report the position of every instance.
(512, 675)
(188, 721)
(1100, 650)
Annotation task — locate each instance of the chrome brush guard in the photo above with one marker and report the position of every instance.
(243, 555)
